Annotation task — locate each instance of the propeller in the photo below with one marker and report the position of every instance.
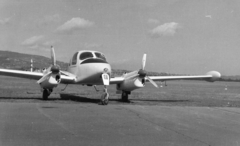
(54, 68)
(144, 61)
(53, 56)
(142, 73)
(44, 77)
(151, 81)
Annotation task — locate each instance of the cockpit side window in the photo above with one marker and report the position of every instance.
(99, 55)
(86, 55)
(74, 59)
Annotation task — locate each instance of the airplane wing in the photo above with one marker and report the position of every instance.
(210, 76)
(130, 78)
(164, 78)
(66, 78)
(21, 74)
(118, 80)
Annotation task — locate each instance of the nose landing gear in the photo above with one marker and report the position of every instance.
(104, 97)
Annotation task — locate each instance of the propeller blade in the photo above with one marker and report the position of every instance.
(144, 61)
(44, 77)
(151, 81)
(133, 76)
(53, 56)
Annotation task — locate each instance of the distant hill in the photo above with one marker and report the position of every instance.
(19, 61)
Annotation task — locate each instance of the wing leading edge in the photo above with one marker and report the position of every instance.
(66, 78)
(21, 74)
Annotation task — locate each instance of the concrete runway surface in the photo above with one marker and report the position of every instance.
(64, 124)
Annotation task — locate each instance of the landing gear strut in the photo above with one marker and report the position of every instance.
(104, 97)
(46, 93)
(125, 96)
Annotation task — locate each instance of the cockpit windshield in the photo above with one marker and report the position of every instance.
(86, 55)
(99, 55)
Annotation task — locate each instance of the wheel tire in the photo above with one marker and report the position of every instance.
(105, 102)
(45, 94)
(104, 99)
(124, 97)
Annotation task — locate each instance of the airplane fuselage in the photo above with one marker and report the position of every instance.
(88, 67)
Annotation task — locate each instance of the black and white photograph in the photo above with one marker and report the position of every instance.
(119, 73)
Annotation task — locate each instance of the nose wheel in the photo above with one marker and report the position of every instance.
(104, 97)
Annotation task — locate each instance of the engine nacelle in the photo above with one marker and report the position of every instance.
(215, 76)
(131, 84)
(51, 82)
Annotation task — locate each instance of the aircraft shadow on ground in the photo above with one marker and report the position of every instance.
(83, 99)
(63, 97)
(166, 101)
(19, 98)
(90, 100)
(77, 98)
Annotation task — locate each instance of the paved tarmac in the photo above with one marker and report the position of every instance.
(70, 124)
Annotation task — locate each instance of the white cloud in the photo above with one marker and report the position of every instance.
(73, 24)
(33, 40)
(208, 16)
(38, 42)
(167, 29)
(153, 21)
(5, 21)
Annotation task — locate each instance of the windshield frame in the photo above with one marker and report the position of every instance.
(86, 55)
(100, 56)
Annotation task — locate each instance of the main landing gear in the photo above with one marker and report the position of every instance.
(46, 93)
(104, 97)
(125, 96)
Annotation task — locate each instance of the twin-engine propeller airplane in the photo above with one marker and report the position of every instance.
(91, 68)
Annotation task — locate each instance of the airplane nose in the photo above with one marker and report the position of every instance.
(101, 65)
(101, 68)
(91, 72)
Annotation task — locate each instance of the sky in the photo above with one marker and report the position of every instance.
(178, 36)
